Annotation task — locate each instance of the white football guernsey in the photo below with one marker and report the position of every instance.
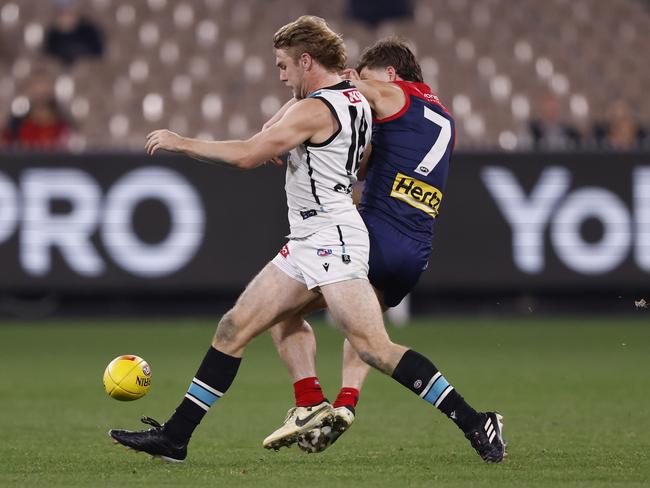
(320, 176)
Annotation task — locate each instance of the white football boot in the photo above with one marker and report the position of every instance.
(321, 437)
(299, 421)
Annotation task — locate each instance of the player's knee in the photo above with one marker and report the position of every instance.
(374, 353)
(377, 351)
(376, 360)
(228, 330)
(369, 342)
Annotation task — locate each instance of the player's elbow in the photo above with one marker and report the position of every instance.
(250, 157)
(246, 162)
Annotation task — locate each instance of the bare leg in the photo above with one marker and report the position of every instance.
(296, 344)
(357, 311)
(271, 297)
(355, 308)
(355, 370)
(295, 341)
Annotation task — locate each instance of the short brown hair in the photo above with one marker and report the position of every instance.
(311, 35)
(394, 52)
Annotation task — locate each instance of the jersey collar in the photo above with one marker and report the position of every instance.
(343, 85)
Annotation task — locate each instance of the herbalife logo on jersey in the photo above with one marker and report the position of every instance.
(417, 194)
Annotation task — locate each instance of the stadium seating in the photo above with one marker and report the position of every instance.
(206, 66)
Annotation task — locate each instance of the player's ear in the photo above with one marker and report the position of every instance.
(305, 61)
(392, 74)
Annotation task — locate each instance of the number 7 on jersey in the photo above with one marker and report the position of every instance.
(439, 147)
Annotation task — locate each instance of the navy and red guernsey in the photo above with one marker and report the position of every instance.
(409, 162)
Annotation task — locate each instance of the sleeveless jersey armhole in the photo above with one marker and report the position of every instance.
(338, 121)
(401, 111)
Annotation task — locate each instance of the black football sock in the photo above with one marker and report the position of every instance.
(212, 380)
(419, 375)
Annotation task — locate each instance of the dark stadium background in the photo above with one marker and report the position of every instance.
(588, 250)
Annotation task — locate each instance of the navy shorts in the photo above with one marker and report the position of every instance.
(396, 261)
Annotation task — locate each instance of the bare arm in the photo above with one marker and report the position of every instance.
(385, 98)
(360, 184)
(363, 166)
(301, 122)
(277, 159)
(279, 113)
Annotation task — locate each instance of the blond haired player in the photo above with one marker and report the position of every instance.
(413, 138)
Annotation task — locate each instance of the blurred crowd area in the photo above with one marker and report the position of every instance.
(100, 74)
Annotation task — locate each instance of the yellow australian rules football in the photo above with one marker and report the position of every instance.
(127, 378)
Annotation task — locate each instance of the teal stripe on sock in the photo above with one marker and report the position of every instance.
(436, 390)
(202, 394)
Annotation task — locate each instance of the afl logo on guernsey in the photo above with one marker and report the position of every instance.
(417, 194)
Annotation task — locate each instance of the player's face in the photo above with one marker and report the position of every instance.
(376, 74)
(291, 73)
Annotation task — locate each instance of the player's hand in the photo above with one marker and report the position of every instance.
(350, 74)
(275, 161)
(162, 139)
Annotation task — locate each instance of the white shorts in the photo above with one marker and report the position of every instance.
(330, 255)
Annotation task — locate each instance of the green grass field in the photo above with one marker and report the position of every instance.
(574, 394)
